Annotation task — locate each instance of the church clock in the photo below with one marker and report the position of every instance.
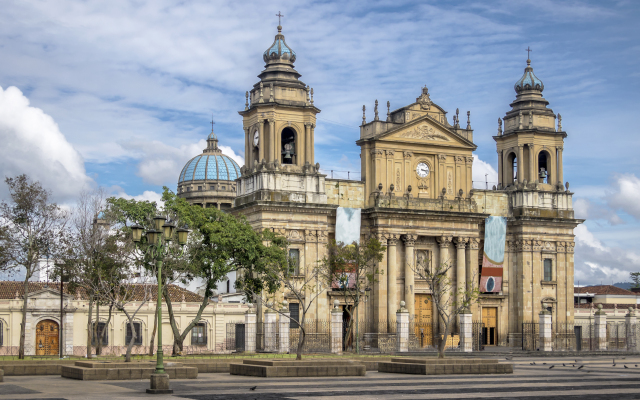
(256, 139)
(422, 170)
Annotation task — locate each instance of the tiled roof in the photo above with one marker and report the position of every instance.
(604, 289)
(620, 307)
(8, 290)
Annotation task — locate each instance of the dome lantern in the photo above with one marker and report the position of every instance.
(529, 81)
(279, 51)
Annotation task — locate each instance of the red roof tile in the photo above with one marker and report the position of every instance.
(604, 289)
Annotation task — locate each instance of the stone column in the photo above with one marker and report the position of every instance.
(336, 328)
(500, 172)
(392, 280)
(285, 323)
(546, 342)
(630, 322)
(444, 243)
(409, 275)
(402, 329)
(273, 151)
(465, 322)
(250, 331)
(532, 164)
(261, 149)
(560, 177)
(473, 273)
(461, 273)
(307, 140)
(247, 146)
(520, 163)
(270, 344)
(600, 328)
(311, 144)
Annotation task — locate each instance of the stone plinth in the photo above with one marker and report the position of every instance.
(336, 329)
(437, 366)
(160, 384)
(294, 368)
(270, 331)
(250, 331)
(466, 331)
(600, 327)
(285, 324)
(402, 330)
(546, 342)
(105, 370)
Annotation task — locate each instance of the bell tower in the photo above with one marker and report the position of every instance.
(530, 148)
(279, 117)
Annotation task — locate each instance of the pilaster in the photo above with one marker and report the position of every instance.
(409, 274)
(392, 279)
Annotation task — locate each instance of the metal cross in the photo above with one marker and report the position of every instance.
(212, 124)
(279, 16)
(528, 50)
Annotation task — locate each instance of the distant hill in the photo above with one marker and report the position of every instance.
(624, 285)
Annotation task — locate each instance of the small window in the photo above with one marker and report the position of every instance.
(294, 261)
(188, 189)
(222, 187)
(199, 188)
(137, 326)
(294, 313)
(212, 187)
(548, 264)
(199, 334)
(98, 328)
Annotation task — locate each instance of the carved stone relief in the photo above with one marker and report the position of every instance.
(425, 132)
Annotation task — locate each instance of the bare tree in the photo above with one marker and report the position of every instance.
(449, 302)
(351, 270)
(31, 226)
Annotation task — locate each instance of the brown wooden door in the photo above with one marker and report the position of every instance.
(423, 319)
(47, 338)
(490, 329)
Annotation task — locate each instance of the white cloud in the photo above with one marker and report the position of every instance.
(586, 209)
(32, 144)
(625, 195)
(147, 195)
(228, 151)
(483, 172)
(596, 262)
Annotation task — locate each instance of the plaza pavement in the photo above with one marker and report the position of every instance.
(598, 379)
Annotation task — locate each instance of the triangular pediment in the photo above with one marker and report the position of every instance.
(426, 130)
(47, 293)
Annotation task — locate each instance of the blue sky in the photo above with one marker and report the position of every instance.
(120, 93)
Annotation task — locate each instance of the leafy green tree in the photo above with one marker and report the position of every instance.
(31, 226)
(635, 278)
(351, 270)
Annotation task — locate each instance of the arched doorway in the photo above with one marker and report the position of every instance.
(512, 169)
(47, 338)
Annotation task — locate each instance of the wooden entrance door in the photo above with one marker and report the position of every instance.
(490, 330)
(423, 319)
(47, 338)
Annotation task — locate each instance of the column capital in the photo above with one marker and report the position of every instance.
(409, 240)
(272, 120)
(444, 241)
(392, 240)
(474, 243)
(308, 124)
(461, 242)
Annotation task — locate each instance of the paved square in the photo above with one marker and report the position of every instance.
(533, 378)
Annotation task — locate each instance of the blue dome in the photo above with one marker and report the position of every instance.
(210, 167)
(529, 81)
(279, 51)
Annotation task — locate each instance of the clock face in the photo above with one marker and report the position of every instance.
(422, 170)
(256, 138)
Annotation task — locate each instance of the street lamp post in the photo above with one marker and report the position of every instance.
(156, 248)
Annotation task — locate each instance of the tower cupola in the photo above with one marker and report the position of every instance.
(529, 81)
(279, 51)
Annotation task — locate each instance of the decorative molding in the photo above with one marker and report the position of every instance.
(409, 240)
(561, 247)
(390, 153)
(570, 247)
(537, 245)
(392, 240)
(459, 159)
(425, 132)
(469, 159)
(376, 153)
(407, 154)
(442, 157)
(512, 246)
(461, 242)
(444, 241)
(474, 243)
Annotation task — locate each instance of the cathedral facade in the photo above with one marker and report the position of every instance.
(416, 196)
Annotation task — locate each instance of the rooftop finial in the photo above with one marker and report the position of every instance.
(246, 102)
(499, 126)
(528, 56)
(279, 15)
(364, 118)
(388, 111)
(212, 123)
(375, 112)
(468, 120)
(559, 122)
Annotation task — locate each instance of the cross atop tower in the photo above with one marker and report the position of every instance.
(279, 16)
(528, 51)
(212, 123)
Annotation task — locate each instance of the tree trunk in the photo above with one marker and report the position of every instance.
(23, 324)
(99, 336)
(178, 338)
(90, 327)
(153, 334)
(102, 332)
(443, 341)
(301, 340)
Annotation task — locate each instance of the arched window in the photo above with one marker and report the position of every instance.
(199, 334)
(288, 150)
(544, 162)
(137, 326)
(512, 168)
(98, 328)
